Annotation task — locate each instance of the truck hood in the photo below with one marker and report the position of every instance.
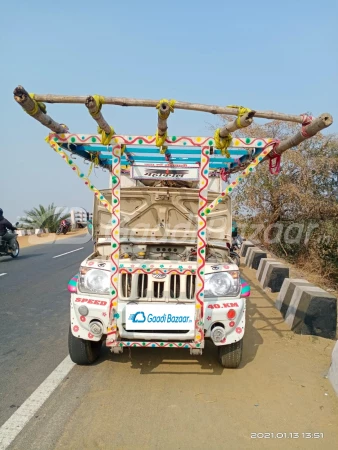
(162, 213)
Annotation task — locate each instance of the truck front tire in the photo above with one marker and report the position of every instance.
(230, 355)
(83, 352)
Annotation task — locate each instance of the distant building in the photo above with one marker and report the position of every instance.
(80, 217)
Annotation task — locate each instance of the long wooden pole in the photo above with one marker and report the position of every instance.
(318, 124)
(163, 114)
(98, 117)
(241, 122)
(27, 103)
(122, 101)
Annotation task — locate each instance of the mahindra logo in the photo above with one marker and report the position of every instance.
(159, 276)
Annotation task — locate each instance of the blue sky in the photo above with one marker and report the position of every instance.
(263, 55)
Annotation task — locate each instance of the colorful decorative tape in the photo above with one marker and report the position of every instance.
(189, 141)
(244, 174)
(201, 244)
(158, 271)
(159, 344)
(115, 242)
(245, 288)
(72, 284)
(80, 174)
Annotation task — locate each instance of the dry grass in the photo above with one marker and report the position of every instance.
(29, 241)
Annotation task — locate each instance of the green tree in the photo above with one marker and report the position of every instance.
(304, 195)
(43, 217)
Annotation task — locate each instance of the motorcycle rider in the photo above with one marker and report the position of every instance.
(4, 226)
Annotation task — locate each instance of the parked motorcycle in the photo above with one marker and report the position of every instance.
(4, 246)
(234, 247)
(64, 227)
(237, 243)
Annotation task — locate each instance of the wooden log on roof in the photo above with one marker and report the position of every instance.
(122, 101)
(97, 115)
(22, 97)
(163, 114)
(318, 124)
(241, 122)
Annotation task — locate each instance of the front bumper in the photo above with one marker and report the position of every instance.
(215, 313)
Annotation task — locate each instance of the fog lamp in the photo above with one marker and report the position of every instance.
(83, 310)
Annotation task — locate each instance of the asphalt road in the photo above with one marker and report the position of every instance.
(34, 312)
(163, 398)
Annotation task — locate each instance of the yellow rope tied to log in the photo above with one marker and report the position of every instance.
(99, 101)
(160, 140)
(95, 161)
(171, 109)
(37, 106)
(241, 111)
(222, 143)
(106, 137)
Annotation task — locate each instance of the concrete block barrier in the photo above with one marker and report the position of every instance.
(333, 371)
(245, 246)
(274, 275)
(261, 267)
(21, 232)
(312, 311)
(257, 256)
(248, 254)
(285, 294)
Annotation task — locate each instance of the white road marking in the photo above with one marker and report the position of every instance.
(2, 274)
(13, 426)
(58, 256)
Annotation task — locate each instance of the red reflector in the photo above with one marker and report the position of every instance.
(231, 314)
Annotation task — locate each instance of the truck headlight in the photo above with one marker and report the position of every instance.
(94, 281)
(222, 284)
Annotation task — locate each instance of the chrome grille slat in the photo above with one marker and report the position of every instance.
(158, 289)
(190, 286)
(142, 284)
(175, 286)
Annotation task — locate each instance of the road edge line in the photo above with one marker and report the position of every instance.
(67, 253)
(15, 424)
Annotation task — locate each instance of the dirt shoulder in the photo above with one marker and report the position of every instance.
(48, 238)
(168, 399)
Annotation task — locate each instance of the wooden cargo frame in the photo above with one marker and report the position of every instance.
(113, 151)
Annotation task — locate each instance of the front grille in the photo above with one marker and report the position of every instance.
(146, 287)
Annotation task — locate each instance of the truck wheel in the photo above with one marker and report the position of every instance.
(83, 352)
(230, 355)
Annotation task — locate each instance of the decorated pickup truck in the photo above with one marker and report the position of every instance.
(161, 275)
(158, 276)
